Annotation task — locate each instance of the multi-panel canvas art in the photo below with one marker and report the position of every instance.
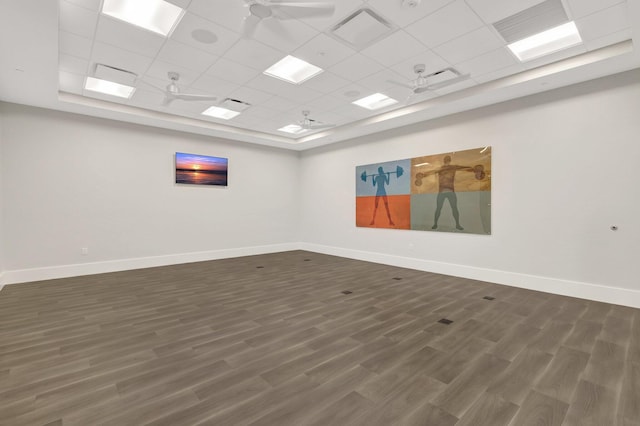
(448, 192)
(201, 169)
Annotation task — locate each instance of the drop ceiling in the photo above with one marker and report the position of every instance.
(49, 48)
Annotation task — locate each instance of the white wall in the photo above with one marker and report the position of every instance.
(2, 241)
(565, 167)
(72, 182)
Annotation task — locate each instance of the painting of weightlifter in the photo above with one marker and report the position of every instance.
(444, 178)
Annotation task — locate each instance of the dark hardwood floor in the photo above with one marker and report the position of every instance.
(273, 340)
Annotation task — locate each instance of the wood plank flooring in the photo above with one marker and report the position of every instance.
(273, 340)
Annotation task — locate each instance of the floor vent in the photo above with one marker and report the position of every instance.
(346, 292)
(445, 321)
(489, 298)
(397, 278)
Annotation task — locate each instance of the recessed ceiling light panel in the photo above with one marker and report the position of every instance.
(217, 112)
(293, 129)
(109, 88)
(547, 42)
(375, 101)
(293, 70)
(158, 16)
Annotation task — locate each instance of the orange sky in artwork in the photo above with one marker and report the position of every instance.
(200, 162)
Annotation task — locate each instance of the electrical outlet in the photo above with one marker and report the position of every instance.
(84, 251)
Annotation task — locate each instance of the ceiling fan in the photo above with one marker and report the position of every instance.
(310, 124)
(421, 83)
(282, 10)
(173, 92)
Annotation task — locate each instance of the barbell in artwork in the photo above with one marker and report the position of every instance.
(398, 172)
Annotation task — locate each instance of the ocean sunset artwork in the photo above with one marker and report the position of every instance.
(201, 169)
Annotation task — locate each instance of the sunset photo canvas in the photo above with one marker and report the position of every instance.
(201, 169)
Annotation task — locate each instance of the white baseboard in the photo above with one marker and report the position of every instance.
(65, 271)
(589, 291)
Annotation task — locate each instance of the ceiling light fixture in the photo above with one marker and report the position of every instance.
(375, 101)
(293, 129)
(546, 42)
(158, 16)
(217, 112)
(293, 70)
(109, 87)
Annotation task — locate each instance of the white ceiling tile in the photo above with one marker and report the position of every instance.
(343, 8)
(609, 39)
(214, 86)
(470, 45)
(323, 51)
(326, 82)
(295, 92)
(489, 62)
(280, 104)
(228, 13)
(283, 35)
(128, 37)
(398, 47)
(352, 92)
(498, 74)
(431, 61)
(74, 45)
(186, 56)
(73, 64)
(402, 16)
(327, 103)
(605, 22)
(70, 83)
(356, 67)
(252, 96)
(382, 80)
(119, 58)
(260, 112)
(93, 5)
(581, 8)
(77, 20)
(451, 21)
(492, 11)
(190, 23)
(232, 71)
(254, 54)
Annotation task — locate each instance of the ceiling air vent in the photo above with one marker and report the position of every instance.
(541, 17)
(117, 75)
(362, 28)
(235, 104)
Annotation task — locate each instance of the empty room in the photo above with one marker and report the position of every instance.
(354, 212)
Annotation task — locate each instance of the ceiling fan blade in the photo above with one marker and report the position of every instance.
(298, 10)
(446, 83)
(249, 25)
(422, 89)
(160, 89)
(193, 97)
(408, 86)
(168, 99)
